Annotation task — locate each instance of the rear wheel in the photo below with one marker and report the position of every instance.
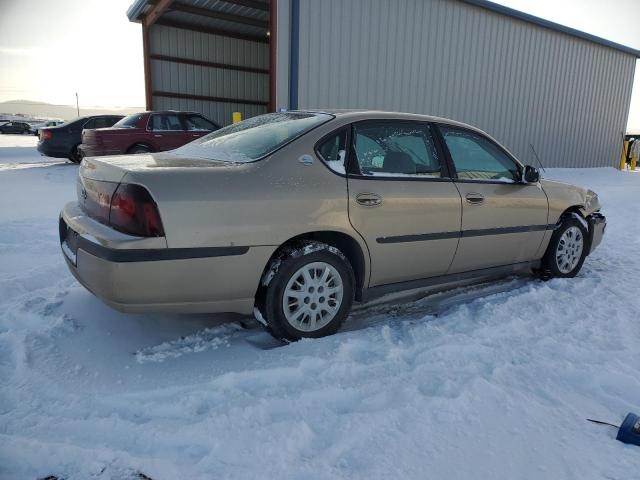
(308, 293)
(139, 149)
(567, 249)
(75, 155)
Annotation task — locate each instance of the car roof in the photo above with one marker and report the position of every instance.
(363, 114)
(173, 111)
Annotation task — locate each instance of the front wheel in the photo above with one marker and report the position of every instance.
(308, 293)
(567, 249)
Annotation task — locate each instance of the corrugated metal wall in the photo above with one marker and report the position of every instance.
(521, 83)
(167, 76)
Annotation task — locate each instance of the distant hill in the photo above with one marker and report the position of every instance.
(65, 112)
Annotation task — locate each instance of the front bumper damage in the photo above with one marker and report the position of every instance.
(597, 225)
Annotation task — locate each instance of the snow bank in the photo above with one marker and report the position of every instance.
(492, 381)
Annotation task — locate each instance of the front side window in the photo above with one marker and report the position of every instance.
(90, 124)
(477, 158)
(396, 149)
(253, 138)
(333, 150)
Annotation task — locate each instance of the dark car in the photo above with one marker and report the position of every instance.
(146, 132)
(15, 127)
(63, 141)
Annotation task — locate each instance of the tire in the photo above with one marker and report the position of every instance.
(567, 249)
(139, 149)
(306, 292)
(75, 156)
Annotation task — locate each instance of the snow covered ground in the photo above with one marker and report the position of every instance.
(488, 382)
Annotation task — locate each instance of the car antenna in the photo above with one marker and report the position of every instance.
(537, 158)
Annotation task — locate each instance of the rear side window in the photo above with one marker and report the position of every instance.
(196, 122)
(392, 148)
(102, 122)
(165, 122)
(253, 138)
(477, 158)
(130, 121)
(333, 150)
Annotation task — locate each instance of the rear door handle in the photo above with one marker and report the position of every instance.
(475, 198)
(369, 199)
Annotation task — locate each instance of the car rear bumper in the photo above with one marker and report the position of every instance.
(93, 151)
(597, 226)
(136, 275)
(49, 150)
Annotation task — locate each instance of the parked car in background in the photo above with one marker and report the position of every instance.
(15, 127)
(63, 141)
(146, 132)
(36, 127)
(294, 215)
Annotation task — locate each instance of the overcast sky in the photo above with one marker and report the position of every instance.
(51, 49)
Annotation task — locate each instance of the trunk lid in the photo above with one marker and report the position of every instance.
(114, 168)
(99, 177)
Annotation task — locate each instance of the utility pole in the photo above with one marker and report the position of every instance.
(77, 104)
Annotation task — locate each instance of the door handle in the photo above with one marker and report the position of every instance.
(368, 199)
(158, 136)
(475, 198)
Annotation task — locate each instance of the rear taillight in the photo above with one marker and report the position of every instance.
(46, 135)
(133, 211)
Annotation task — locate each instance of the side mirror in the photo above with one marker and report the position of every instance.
(531, 174)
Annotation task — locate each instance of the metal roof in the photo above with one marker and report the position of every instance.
(541, 22)
(255, 20)
(140, 7)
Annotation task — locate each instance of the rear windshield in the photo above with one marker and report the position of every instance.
(253, 138)
(129, 121)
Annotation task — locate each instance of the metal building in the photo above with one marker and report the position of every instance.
(524, 80)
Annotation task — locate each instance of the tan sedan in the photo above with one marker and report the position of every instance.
(293, 216)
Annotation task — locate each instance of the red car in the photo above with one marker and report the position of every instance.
(146, 132)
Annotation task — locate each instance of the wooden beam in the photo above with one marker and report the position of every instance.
(206, 98)
(229, 17)
(147, 68)
(212, 31)
(156, 12)
(226, 66)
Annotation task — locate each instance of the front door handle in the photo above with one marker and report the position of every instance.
(369, 199)
(475, 198)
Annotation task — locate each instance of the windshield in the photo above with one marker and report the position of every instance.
(253, 138)
(129, 121)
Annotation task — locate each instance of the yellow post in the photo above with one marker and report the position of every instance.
(634, 158)
(236, 117)
(623, 156)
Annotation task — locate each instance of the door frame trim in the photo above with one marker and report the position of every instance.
(420, 237)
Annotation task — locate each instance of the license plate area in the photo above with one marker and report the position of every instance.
(69, 242)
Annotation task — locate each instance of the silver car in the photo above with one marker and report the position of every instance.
(293, 216)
